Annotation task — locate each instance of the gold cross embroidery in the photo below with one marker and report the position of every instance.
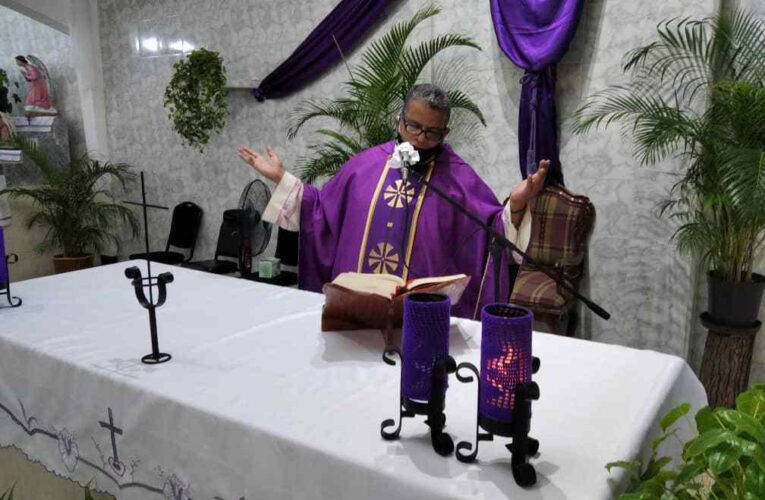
(383, 259)
(397, 192)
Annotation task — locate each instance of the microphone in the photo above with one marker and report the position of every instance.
(404, 156)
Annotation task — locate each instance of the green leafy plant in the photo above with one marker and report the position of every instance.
(74, 207)
(375, 94)
(5, 104)
(697, 91)
(8, 495)
(88, 494)
(195, 98)
(726, 460)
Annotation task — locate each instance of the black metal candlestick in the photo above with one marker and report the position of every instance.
(505, 387)
(433, 408)
(149, 282)
(11, 258)
(522, 445)
(139, 284)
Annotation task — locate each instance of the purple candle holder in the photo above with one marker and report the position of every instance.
(505, 359)
(425, 339)
(505, 388)
(5, 279)
(425, 366)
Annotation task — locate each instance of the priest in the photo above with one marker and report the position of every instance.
(372, 217)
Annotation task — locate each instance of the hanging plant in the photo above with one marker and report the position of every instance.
(196, 97)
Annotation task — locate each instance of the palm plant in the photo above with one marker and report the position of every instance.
(375, 94)
(73, 206)
(698, 91)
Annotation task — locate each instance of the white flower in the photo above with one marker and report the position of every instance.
(68, 449)
(174, 489)
(404, 153)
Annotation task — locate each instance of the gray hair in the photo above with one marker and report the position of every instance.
(432, 95)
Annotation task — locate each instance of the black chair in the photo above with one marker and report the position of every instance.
(287, 247)
(229, 245)
(184, 229)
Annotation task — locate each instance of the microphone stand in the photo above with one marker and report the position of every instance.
(501, 243)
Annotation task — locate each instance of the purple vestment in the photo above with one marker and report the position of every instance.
(358, 222)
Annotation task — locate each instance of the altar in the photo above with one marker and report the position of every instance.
(257, 402)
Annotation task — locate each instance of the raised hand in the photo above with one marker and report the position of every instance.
(268, 165)
(530, 187)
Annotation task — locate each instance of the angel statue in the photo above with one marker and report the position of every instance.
(40, 100)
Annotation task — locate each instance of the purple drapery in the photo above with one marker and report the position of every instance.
(343, 27)
(535, 34)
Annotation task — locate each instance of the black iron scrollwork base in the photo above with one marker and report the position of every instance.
(522, 445)
(6, 290)
(160, 282)
(433, 409)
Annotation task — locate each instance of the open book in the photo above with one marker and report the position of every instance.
(357, 301)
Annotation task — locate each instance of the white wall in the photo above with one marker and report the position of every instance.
(78, 18)
(635, 271)
(86, 59)
(20, 34)
(53, 13)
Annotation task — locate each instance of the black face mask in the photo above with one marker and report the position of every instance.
(425, 154)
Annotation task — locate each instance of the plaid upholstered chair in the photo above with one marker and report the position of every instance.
(561, 226)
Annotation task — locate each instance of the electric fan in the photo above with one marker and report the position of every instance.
(255, 231)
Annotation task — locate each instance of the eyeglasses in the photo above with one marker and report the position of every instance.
(431, 134)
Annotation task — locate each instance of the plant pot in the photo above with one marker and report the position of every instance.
(734, 303)
(727, 361)
(109, 259)
(63, 264)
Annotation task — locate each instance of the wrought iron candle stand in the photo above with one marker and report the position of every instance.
(505, 388)
(150, 282)
(5, 277)
(5, 283)
(139, 284)
(425, 367)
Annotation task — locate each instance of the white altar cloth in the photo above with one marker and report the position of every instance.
(257, 403)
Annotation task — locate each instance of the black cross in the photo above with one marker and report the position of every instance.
(113, 430)
(146, 227)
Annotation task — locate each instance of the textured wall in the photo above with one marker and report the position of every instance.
(53, 13)
(635, 273)
(20, 35)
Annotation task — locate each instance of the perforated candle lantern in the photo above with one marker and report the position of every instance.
(505, 388)
(505, 359)
(425, 366)
(424, 340)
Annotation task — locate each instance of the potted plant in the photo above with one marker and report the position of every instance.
(5, 104)
(726, 459)
(196, 97)
(365, 116)
(74, 207)
(6, 123)
(697, 91)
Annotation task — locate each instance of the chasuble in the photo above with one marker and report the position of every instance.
(371, 218)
